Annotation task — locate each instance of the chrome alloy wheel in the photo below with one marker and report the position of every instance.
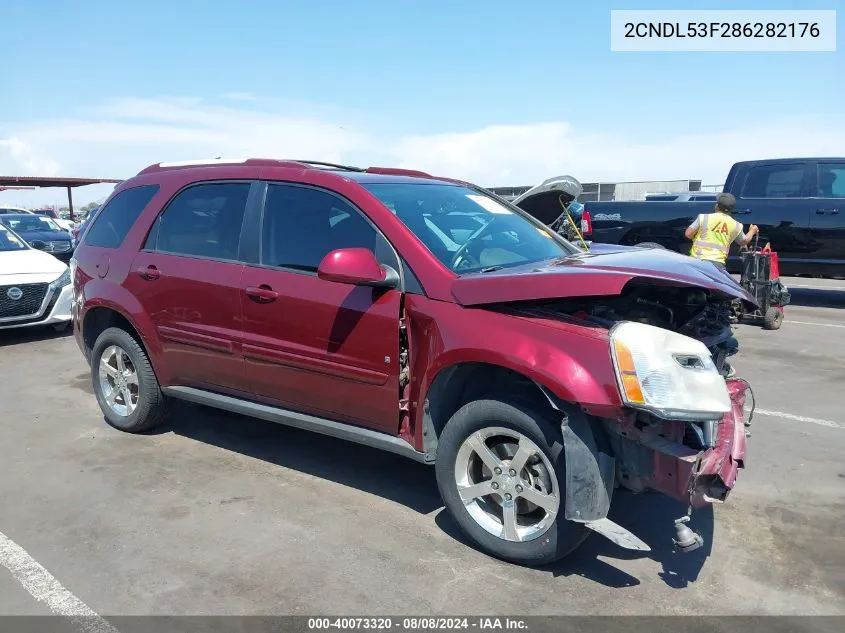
(507, 484)
(118, 380)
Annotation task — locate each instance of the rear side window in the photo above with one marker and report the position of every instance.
(203, 221)
(777, 181)
(113, 223)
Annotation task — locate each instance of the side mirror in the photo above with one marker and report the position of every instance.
(357, 266)
(38, 244)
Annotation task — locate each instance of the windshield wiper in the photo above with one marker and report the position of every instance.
(490, 269)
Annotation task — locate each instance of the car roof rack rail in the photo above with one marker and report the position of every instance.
(276, 162)
(219, 160)
(396, 171)
(320, 163)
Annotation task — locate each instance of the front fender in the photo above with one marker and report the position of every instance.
(573, 367)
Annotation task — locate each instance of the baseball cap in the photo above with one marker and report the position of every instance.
(726, 200)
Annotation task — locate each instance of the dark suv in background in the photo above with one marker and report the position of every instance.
(425, 317)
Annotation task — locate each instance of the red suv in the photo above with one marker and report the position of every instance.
(427, 317)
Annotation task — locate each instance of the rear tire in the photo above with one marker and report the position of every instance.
(124, 383)
(651, 245)
(772, 319)
(537, 533)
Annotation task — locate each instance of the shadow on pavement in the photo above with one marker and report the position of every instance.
(375, 471)
(649, 516)
(817, 297)
(19, 336)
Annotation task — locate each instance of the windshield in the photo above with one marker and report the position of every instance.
(9, 241)
(25, 223)
(467, 230)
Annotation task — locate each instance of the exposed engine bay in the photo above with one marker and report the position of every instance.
(695, 312)
(693, 461)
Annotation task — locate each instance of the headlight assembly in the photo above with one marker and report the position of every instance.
(63, 280)
(667, 374)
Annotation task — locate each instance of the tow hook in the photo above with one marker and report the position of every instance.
(685, 539)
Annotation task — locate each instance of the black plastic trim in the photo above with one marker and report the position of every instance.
(298, 420)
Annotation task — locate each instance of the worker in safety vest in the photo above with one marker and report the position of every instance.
(713, 233)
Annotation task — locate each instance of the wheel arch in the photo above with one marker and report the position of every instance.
(458, 383)
(100, 315)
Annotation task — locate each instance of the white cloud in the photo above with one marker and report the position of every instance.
(239, 96)
(24, 155)
(526, 154)
(124, 135)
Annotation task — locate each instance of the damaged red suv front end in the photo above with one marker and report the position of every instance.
(658, 458)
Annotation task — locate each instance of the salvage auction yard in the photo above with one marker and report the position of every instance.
(221, 514)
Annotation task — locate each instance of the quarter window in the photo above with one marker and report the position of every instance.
(203, 221)
(111, 225)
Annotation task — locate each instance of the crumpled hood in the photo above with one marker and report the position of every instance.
(604, 270)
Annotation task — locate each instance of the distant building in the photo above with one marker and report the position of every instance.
(608, 191)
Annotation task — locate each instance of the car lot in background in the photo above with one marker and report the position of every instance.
(35, 287)
(221, 514)
(84, 222)
(798, 204)
(65, 223)
(41, 233)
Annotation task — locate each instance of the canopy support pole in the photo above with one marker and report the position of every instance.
(70, 203)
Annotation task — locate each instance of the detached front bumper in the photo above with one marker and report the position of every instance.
(715, 473)
(657, 457)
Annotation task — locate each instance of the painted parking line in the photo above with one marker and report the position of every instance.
(799, 418)
(814, 323)
(42, 586)
(788, 285)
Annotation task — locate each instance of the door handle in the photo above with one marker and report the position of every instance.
(262, 293)
(827, 211)
(742, 211)
(150, 273)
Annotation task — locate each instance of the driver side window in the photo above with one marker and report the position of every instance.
(302, 225)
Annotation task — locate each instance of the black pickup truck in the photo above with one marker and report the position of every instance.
(798, 203)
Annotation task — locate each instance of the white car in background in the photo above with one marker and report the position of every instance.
(35, 287)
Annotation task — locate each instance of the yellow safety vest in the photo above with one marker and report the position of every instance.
(716, 233)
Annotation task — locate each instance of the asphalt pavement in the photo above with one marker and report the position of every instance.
(220, 514)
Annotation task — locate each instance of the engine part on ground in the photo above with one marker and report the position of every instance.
(685, 539)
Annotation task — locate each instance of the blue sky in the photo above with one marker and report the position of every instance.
(488, 90)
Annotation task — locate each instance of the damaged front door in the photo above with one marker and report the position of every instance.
(305, 335)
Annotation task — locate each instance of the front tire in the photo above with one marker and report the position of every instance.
(501, 473)
(652, 245)
(124, 383)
